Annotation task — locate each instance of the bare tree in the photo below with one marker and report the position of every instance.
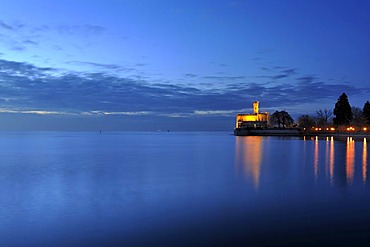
(323, 116)
(306, 121)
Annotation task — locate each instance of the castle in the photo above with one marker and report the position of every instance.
(255, 120)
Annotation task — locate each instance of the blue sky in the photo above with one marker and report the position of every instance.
(179, 65)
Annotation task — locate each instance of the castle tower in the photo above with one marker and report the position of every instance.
(255, 107)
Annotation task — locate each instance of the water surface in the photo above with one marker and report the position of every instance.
(198, 189)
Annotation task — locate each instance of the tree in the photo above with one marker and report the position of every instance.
(323, 116)
(287, 119)
(306, 121)
(276, 118)
(282, 119)
(342, 111)
(358, 117)
(366, 112)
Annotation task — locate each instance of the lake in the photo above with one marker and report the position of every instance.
(182, 189)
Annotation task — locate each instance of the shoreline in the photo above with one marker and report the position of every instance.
(267, 132)
(298, 133)
(338, 135)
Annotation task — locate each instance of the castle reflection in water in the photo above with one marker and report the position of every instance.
(338, 162)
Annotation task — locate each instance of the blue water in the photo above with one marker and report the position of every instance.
(181, 189)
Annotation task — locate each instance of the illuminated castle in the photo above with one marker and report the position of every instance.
(255, 120)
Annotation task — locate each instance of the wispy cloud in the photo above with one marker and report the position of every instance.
(19, 36)
(280, 72)
(284, 72)
(28, 89)
(307, 79)
(275, 77)
(290, 71)
(131, 113)
(86, 29)
(224, 77)
(115, 67)
(5, 26)
(215, 112)
(29, 42)
(191, 75)
(83, 29)
(37, 112)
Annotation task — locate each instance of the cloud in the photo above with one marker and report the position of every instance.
(290, 71)
(20, 37)
(275, 77)
(18, 48)
(307, 79)
(37, 112)
(5, 26)
(191, 75)
(224, 77)
(214, 112)
(114, 67)
(28, 89)
(284, 72)
(85, 29)
(131, 113)
(29, 42)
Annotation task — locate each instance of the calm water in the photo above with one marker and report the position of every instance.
(188, 189)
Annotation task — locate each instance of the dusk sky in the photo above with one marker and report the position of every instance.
(180, 65)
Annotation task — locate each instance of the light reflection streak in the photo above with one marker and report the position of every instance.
(331, 160)
(250, 150)
(316, 157)
(249, 155)
(327, 156)
(364, 161)
(350, 159)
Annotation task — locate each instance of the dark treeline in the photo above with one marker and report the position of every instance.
(343, 115)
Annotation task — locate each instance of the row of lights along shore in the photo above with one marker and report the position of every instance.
(331, 138)
(333, 129)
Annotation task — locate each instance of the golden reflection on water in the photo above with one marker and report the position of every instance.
(331, 160)
(364, 161)
(316, 158)
(249, 155)
(249, 151)
(350, 159)
(350, 171)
